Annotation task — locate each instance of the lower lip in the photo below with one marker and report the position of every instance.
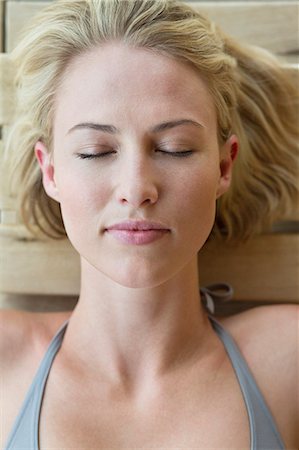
(137, 237)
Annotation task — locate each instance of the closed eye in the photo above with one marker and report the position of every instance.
(92, 155)
(180, 154)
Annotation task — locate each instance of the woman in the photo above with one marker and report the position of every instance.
(130, 118)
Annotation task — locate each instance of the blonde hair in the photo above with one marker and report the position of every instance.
(254, 98)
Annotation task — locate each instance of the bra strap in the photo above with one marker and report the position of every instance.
(215, 293)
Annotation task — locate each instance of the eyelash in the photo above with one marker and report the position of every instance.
(181, 154)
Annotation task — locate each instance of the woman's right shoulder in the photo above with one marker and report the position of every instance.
(25, 332)
(15, 328)
(24, 338)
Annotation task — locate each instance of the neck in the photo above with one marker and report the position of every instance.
(133, 336)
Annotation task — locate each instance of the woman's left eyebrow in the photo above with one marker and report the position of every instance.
(111, 129)
(174, 123)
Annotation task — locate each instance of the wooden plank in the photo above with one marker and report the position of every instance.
(18, 14)
(55, 303)
(1, 25)
(8, 213)
(272, 25)
(229, 308)
(36, 267)
(264, 269)
(38, 303)
(7, 95)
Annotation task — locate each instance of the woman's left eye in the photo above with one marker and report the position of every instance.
(181, 154)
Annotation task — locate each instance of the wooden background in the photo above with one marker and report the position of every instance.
(44, 276)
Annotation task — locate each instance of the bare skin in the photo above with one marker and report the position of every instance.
(199, 405)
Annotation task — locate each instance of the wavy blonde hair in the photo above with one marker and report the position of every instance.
(255, 98)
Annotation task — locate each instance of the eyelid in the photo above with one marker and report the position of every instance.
(176, 154)
(92, 155)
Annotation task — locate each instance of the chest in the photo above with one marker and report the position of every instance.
(198, 415)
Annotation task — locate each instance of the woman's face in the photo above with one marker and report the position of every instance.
(132, 92)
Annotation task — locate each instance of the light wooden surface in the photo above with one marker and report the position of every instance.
(265, 268)
(36, 267)
(37, 303)
(272, 25)
(7, 100)
(1, 25)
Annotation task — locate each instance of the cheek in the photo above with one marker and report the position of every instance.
(196, 201)
(81, 202)
(198, 187)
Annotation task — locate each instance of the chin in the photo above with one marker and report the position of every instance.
(134, 276)
(135, 280)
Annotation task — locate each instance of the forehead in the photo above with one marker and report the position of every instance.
(122, 82)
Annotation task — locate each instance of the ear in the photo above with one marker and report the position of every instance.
(228, 153)
(45, 162)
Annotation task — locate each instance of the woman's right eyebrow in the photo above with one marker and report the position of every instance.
(111, 129)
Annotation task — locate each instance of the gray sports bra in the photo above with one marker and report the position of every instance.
(263, 431)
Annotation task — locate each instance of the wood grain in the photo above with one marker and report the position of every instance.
(7, 95)
(272, 25)
(266, 268)
(37, 303)
(36, 267)
(1, 26)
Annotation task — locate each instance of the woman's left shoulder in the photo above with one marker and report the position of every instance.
(266, 325)
(267, 337)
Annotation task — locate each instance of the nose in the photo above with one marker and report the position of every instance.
(137, 182)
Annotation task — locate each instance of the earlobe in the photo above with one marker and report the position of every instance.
(228, 154)
(45, 162)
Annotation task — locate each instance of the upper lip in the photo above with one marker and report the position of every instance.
(137, 225)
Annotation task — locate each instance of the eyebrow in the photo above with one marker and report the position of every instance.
(111, 129)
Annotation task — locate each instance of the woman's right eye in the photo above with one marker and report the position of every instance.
(92, 155)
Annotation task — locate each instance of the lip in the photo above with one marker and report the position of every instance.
(137, 232)
(137, 225)
(140, 237)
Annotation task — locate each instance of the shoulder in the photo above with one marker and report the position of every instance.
(266, 327)
(268, 339)
(22, 330)
(274, 322)
(25, 337)
(14, 330)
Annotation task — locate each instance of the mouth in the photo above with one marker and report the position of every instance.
(137, 237)
(136, 226)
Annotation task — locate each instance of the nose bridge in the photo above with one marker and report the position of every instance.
(137, 161)
(138, 181)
